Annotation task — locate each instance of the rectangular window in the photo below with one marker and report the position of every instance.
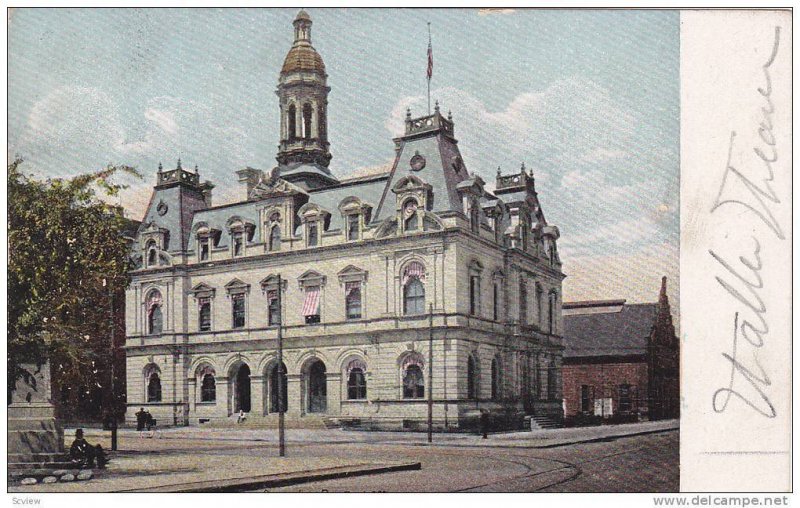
(352, 300)
(353, 225)
(523, 303)
(273, 308)
(625, 403)
(238, 311)
(313, 234)
(238, 244)
(551, 313)
(311, 305)
(474, 295)
(586, 398)
(204, 248)
(205, 314)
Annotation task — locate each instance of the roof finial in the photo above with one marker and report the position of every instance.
(498, 170)
(179, 163)
(449, 115)
(196, 170)
(522, 168)
(408, 113)
(436, 106)
(160, 166)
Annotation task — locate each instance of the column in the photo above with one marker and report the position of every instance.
(294, 394)
(257, 406)
(333, 381)
(192, 396)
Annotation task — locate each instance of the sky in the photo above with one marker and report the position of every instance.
(589, 100)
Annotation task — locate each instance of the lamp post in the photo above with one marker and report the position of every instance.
(281, 388)
(430, 373)
(112, 417)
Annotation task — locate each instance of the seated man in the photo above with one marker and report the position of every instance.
(85, 454)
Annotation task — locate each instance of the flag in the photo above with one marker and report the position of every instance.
(430, 57)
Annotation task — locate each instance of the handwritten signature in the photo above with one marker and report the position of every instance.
(758, 200)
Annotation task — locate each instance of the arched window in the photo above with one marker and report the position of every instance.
(414, 297)
(275, 238)
(495, 380)
(291, 122)
(413, 382)
(152, 254)
(410, 216)
(208, 388)
(153, 387)
(307, 114)
(356, 384)
(472, 385)
(155, 317)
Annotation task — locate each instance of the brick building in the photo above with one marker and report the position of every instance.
(368, 270)
(620, 360)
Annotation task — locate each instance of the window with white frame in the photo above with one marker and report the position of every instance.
(203, 247)
(414, 289)
(312, 234)
(356, 379)
(237, 243)
(413, 377)
(204, 314)
(352, 299)
(353, 227)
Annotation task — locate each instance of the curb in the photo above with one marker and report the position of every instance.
(278, 480)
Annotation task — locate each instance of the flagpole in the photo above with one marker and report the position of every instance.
(430, 63)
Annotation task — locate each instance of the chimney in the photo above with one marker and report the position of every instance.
(250, 177)
(206, 189)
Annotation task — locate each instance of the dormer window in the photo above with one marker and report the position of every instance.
(238, 243)
(312, 230)
(275, 238)
(410, 216)
(353, 227)
(204, 247)
(152, 254)
(474, 217)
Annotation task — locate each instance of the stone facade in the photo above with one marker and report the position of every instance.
(370, 271)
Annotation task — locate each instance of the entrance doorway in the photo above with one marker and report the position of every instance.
(241, 393)
(317, 388)
(277, 389)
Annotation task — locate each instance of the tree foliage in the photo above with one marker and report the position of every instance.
(67, 256)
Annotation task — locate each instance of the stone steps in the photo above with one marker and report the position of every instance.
(544, 422)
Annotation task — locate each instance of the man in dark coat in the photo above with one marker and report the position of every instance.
(85, 454)
(140, 419)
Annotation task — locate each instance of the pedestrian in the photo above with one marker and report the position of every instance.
(140, 420)
(84, 454)
(241, 417)
(485, 423)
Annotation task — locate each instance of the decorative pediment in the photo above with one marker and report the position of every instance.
(353, 204)
(551, 231)
(274, 186)
(410, 183)
(203, 290)
(472, 185)
(237, 222)
(312, 211)
(270, 283)
(475, 266)
(311, 278)
(236, 286)
(352, 274)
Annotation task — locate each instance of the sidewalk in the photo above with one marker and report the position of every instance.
(203, 464)
(174, 437)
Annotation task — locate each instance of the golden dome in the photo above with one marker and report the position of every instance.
(303, 58)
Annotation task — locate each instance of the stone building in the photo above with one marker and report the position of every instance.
(621, 360)
(369, 268)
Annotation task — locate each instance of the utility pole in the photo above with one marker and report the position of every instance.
(430, 373)
(281, 389)
(112, 417)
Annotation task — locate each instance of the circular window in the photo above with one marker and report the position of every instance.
(162, 208)
(417, 162)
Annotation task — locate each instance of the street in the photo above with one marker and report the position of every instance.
(647, 463)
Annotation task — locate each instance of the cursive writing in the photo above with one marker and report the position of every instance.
(743, 281)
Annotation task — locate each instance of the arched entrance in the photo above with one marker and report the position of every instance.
(277, 389)
(241, 389)
(317, 388)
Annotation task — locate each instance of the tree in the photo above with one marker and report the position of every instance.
(67, 256)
